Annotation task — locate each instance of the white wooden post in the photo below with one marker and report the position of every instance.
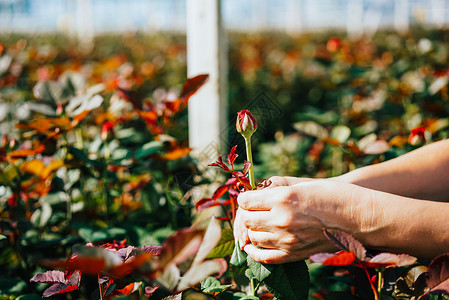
(293, 18)
(84, 25)
(354, 18)
(401, 15)
(206, 54)
(438, 13)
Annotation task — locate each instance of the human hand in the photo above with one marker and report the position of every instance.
(240, 231)
(285, 223)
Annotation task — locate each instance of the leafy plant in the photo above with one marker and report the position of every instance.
(417, 283)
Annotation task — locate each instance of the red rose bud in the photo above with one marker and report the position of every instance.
(333, 44)
(107, 131)
(417, 136)
(246, 123)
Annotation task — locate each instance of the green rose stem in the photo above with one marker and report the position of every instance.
(379, 280)
(249, 157)
(246, 125)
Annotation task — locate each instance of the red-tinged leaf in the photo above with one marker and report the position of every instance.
(390, 260)
(23, 153)
(45, 125)
(132, 97)
(41, 125)
(154, 250)
(438, 274)
(180, 246)
(69, 285)
(174, 105)
(150, 117)
(89, 260)
(79, 117)
(192, 85)
(346, 242)
(88, 265)
(232, 156)
(223, 219)
(175, 153)
(244, 181)
(53, 276)
(221, 164)
(342, 258)
(319, 258)
(233, 193)
(209, 202)
(74, 279)
(59, 288)
(219, 192)
(204, 201)
(130, 265)
(231, 181)
(246, 166)
(127, 290)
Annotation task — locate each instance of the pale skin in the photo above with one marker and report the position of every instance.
(396, 206)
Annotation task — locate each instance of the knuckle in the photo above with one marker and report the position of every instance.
(242, 200)
(286, 221)
(276, 180)
(290, 240)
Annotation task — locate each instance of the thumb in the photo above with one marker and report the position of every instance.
(240, 231)
(286, 180)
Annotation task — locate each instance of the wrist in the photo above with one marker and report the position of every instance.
(337, 204)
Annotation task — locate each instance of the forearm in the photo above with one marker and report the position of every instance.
(405, 225)
(384, 221)
(421, 174)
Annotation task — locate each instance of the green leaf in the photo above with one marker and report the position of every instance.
(210, 240)
(225, 245)
(8, 174)
(148, 149)
(259, 270)
(79, 154)
(73, 82)
(191, 294)
(29, 297)
(50, 91)
(238, 257)
(170, 277)
(212, 285)
(92, 235)
(341, 133)
(41, 216)
(199, 272)
(311, 128)
(12, 286)
(289, 281)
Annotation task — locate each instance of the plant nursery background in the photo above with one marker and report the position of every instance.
(94, 117)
